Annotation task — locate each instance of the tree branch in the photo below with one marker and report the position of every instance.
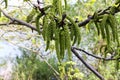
(10, 23)
(97, 57)
(101, 12)
(18, 21)
(86, 64)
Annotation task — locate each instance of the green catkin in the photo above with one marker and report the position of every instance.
(97, 27)
(68, 41)
(72, 33)
(57, 5)
(65, 1)
(117, 58)
(107, 34)
(45, 25)
(113, 26)
(60, 7)
(57, 40)
(53, 24)
(37, 22)
(49, 35)
(102, 26)
(50, 31)
(96, 23)
(62, 43)
(79, 36)
(76, 30)
(47, 45)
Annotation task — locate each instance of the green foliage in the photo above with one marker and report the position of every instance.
(108, 70)
(65, 33)
(54, 26)
(106, 26)
(68, 72)
(30, 67)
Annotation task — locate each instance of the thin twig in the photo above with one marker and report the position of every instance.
(87, 65)
(97, 57)
(15, 23)
(49, 65)
(19, 21)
